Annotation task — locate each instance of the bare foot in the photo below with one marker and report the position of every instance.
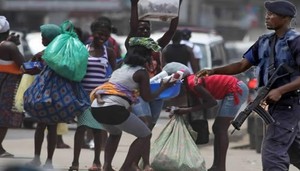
(35, 163)
(95, 167)
(148, 168)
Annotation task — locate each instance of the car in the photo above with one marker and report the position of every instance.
(34, 42)
(236, 49)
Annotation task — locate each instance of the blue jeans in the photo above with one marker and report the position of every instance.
(227, 106)
(151, 109)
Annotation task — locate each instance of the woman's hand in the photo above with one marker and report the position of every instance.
(33, 71)
(99, 99)
(181, 111)
(167, 84)
(174, 110)
(15, 38)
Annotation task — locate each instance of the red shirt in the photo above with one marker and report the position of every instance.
(218, 86)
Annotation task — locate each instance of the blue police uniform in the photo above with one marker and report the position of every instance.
(281, 145)
(284, 134)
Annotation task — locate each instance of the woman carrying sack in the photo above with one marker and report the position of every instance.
(52, 99)
(231, 93)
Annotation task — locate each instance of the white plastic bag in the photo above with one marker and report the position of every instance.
(175, 150)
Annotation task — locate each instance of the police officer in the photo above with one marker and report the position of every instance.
(281, 145)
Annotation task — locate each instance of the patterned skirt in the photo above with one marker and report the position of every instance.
(87, 119)
(9, 117)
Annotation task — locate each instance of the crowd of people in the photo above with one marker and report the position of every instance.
(121, 100)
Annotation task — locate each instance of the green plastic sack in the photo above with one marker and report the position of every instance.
(174, 149)
(66, 54)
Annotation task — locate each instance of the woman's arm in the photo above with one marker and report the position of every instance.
(207, 99)
(142, 78)
(14, 53)
(166, 38)
(111, 58)
(134, 21)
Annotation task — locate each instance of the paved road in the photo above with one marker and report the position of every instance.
(20, 143)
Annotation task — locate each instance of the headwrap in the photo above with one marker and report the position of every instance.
(50, 31)
(4, 24)
(173, 67)
(144, 41)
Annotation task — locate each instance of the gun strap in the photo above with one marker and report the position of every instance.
(271, 67)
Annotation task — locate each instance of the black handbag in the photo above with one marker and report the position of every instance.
(199, 124)
(198, 120)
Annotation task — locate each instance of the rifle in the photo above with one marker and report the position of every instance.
(256, 104)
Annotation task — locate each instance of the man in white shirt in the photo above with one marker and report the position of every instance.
(186, 35)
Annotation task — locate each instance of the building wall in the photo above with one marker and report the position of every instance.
(226, 16)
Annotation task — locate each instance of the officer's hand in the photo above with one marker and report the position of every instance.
(202, 73)
(273, 96)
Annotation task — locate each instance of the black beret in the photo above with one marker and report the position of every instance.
(281, 7)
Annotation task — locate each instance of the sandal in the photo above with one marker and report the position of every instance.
(95, 167)
(73, 168)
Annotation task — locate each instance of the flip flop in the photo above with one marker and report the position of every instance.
(6, 155)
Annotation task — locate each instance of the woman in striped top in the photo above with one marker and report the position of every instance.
(99, 60)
